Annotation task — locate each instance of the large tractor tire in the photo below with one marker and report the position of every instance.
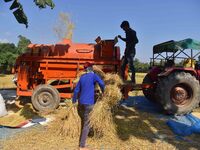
(149, 93)
(179, 93)
(45, 98)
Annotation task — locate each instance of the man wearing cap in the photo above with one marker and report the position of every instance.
(129, 53)
(86, 88)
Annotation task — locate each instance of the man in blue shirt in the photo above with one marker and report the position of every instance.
(86, 88)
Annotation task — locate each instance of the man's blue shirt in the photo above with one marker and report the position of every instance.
(86, 88)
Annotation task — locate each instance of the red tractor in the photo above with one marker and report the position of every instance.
(46, 72)
(174, 76)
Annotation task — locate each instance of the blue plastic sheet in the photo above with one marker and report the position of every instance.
(181, 125)
(143, 104)
(184, 125)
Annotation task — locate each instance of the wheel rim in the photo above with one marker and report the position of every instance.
(45, 99)
(181, 94)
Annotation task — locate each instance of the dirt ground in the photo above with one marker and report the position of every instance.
(136, 130)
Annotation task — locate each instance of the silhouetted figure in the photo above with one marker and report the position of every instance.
(129, 54)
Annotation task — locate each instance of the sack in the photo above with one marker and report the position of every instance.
(3, 110)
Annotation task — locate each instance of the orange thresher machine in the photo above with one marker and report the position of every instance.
(46, 72)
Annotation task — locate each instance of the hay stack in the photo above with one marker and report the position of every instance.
(67, 122)
(71, 123)
(101, 117)
(101, 120)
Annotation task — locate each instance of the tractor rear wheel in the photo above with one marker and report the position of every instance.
(45, 98)
(149, 93)
(179, 93)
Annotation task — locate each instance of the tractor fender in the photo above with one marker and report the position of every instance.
(153, 73)
(168, 71)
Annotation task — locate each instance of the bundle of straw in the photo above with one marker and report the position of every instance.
(98, 71)
(67, 122)
(71, 123)
(101, 117)
(112, 95)
(113, 79)
(101, 120)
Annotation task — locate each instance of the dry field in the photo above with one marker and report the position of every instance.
(6, 81)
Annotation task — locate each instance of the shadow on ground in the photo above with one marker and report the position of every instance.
(131, 122)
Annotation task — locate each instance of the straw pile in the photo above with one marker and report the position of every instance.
(113, 79)
(19, 115)
(98, 71)
(71, 125)
(67, 122)
(101, 117)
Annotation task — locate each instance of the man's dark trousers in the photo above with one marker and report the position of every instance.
(128, 60)
(83, 111)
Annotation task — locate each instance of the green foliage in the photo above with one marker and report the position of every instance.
(9, 52)
(44, 3)
(140, 66)
(19, 11)
(22, 44)
(7, 56)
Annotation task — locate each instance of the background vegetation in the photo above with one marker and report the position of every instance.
(9, 52)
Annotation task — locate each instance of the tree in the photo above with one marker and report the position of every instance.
(64, 27)
(22, 44)
(8, 55)
(9, 52)
(140, 66)
(19, 12)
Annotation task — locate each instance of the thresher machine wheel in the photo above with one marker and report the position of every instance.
(45, 98)
(179, 93)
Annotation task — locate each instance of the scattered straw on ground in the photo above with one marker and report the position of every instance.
(196, 114)
(21, 115)
(135, 130)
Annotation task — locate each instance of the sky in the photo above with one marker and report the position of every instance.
(155, 21)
